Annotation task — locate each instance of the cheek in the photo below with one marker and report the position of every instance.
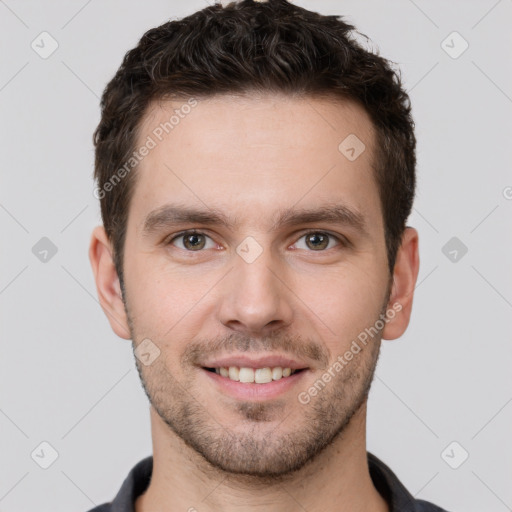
(164, 301)
(344, 303)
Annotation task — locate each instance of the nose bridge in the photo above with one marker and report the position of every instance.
(254, 296)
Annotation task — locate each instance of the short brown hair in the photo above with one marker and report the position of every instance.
(246, 46)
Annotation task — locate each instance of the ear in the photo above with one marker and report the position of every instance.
(107, 282)
(405, 275)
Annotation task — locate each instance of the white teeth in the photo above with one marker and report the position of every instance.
(263, 375)
(246, 375)
(233, 373)
(277, 373)
(251, 375)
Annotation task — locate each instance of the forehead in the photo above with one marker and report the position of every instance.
(271, 119)
(255, 154)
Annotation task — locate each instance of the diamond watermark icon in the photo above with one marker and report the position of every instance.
(146, 352)
(454, 45)
(44, 45)
(454, 249)
(351, 147)
(249, 249)
(44, 455)
(454, 455)
(44, 250)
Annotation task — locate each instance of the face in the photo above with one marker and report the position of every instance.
(284, 255)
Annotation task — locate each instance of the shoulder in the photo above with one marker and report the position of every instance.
(133, 486)
(393, 491)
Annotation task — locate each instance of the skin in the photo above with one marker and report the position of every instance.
(251, 157)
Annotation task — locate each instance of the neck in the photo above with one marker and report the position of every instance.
(336, 479)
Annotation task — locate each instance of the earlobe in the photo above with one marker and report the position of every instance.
(107, 282)
(405, 275)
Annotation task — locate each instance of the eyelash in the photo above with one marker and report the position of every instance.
(339, 239)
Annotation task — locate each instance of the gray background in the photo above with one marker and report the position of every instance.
(67, 380)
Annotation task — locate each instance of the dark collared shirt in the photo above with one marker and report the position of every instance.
(385, 481)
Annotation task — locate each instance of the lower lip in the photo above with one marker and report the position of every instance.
(253, 391)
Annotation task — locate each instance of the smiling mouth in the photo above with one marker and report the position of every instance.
(254, 375)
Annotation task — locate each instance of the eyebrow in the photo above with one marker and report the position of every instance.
(170, 215)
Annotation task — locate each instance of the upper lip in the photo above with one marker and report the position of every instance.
(243, 361)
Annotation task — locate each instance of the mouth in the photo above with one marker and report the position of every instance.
(254, 375)
(254, 384)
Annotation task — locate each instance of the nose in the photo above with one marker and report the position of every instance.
(255, 298)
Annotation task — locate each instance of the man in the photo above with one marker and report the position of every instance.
(256, 168)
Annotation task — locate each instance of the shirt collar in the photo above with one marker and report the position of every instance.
(385, 481)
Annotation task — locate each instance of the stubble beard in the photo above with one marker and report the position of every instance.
(265, 446)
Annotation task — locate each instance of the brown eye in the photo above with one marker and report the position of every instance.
(191, 241)
(319, 241)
